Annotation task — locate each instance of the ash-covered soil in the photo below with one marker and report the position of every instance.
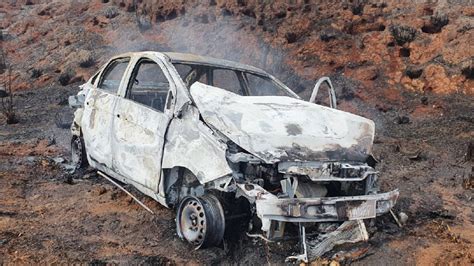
(416, 87)
(48, 215)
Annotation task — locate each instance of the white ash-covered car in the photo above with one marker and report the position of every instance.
(203, 135)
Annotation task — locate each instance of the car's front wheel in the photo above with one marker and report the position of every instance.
(200, 221)
(78, 152)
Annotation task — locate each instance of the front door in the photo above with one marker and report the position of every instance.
(140, 122)
(98, 113)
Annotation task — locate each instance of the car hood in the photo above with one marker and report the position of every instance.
(277, 128)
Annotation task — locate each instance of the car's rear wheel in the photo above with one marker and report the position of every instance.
(200, 221)
(78, 152)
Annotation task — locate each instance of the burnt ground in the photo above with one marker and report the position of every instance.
(48, 215)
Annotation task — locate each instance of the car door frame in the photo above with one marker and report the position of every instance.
(90, 105)
(168, 111)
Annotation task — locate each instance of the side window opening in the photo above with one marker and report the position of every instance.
(148, 85)
(113, 74)
(227, 79)
(183, 70)
(263, 86)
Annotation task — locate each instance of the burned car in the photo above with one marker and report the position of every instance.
(201, 135)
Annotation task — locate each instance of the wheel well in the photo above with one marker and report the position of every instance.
(180, 182)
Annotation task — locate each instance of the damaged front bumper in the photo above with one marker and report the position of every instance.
(274, 212)
(328, 209)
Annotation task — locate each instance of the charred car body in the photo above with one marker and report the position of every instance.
(197, 133)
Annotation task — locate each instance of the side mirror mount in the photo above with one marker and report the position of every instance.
(332, 92)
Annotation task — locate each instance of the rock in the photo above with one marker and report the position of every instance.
(424, 100)
(51, 141)
(59, 160)
(100, 191)
(403, 217)
(31, 159)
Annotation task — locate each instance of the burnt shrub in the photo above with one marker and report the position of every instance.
(403, 34)
(226, 12)
(413, 72)
(172, 14)
(404, 52)
(435, 24)
(291, 37)
(131, 8)
(468, 71)
(3, 67)
(36, 73)
(7, 103)
(64, 78)
(357, 9)
(144, 23)
(88, 62)
(328, 35)
(111, 12)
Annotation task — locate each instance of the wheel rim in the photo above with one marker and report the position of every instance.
(193, 221)
(200, 221)
(76, 152)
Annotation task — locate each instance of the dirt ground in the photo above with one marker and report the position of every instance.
(420, 95)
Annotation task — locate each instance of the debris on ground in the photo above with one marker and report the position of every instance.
(347, 232)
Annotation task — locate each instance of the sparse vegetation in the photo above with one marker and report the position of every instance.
(64, 78)
(403, 34)
(468, 70)
(111, 12)
(36, 73)
(413, 73)
(436, 23)
(8, 106)
(88, 62)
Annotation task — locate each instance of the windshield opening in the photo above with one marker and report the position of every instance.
(236, 81)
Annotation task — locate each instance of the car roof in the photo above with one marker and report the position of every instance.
(200, 60)
(206, 60)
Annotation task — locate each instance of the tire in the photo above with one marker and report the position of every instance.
(200, 221)
(78, 152)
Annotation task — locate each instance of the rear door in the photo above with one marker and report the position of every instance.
(141, 118)
(98, 112)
